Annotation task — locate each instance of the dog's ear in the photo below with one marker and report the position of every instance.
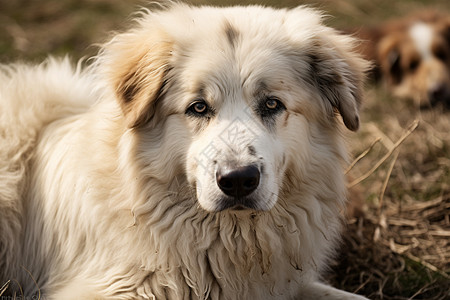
(389, 57)
(136, 64)
(338, 72)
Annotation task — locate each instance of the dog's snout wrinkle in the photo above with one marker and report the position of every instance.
(238, 182)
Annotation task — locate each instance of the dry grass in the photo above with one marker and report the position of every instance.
(4, 287)
(400, 248)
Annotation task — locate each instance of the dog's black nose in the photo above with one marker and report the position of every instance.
(438, 94)
(238, 182)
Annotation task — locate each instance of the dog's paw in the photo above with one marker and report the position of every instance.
(317, 290)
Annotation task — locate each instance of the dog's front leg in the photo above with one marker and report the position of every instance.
(317, 290)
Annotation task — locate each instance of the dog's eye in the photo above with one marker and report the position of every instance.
(441, 54)
(198, 108)
(270, 107)
(414, 64)
(271, 103)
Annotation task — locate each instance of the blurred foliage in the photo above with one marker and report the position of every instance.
(33, 29)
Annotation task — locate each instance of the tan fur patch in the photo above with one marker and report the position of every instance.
(138, 71)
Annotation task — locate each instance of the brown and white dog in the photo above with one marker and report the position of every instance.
(412, 56)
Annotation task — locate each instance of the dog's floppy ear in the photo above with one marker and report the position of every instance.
(338, 73)
(136, 64)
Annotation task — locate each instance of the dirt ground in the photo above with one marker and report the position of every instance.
(399, 246)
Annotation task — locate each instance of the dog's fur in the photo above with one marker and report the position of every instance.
(108, 177)
(412, 57)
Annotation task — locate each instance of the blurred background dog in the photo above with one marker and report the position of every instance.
(412, 56)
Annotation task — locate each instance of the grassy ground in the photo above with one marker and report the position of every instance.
(400, 248)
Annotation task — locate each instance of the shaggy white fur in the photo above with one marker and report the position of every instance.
(108, 174)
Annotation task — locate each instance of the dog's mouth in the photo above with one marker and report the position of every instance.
(238, 207)
(230, 203)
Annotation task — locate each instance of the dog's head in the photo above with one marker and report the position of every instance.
(414, 57)
(236, 98)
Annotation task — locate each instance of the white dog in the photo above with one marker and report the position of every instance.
(199, 157)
